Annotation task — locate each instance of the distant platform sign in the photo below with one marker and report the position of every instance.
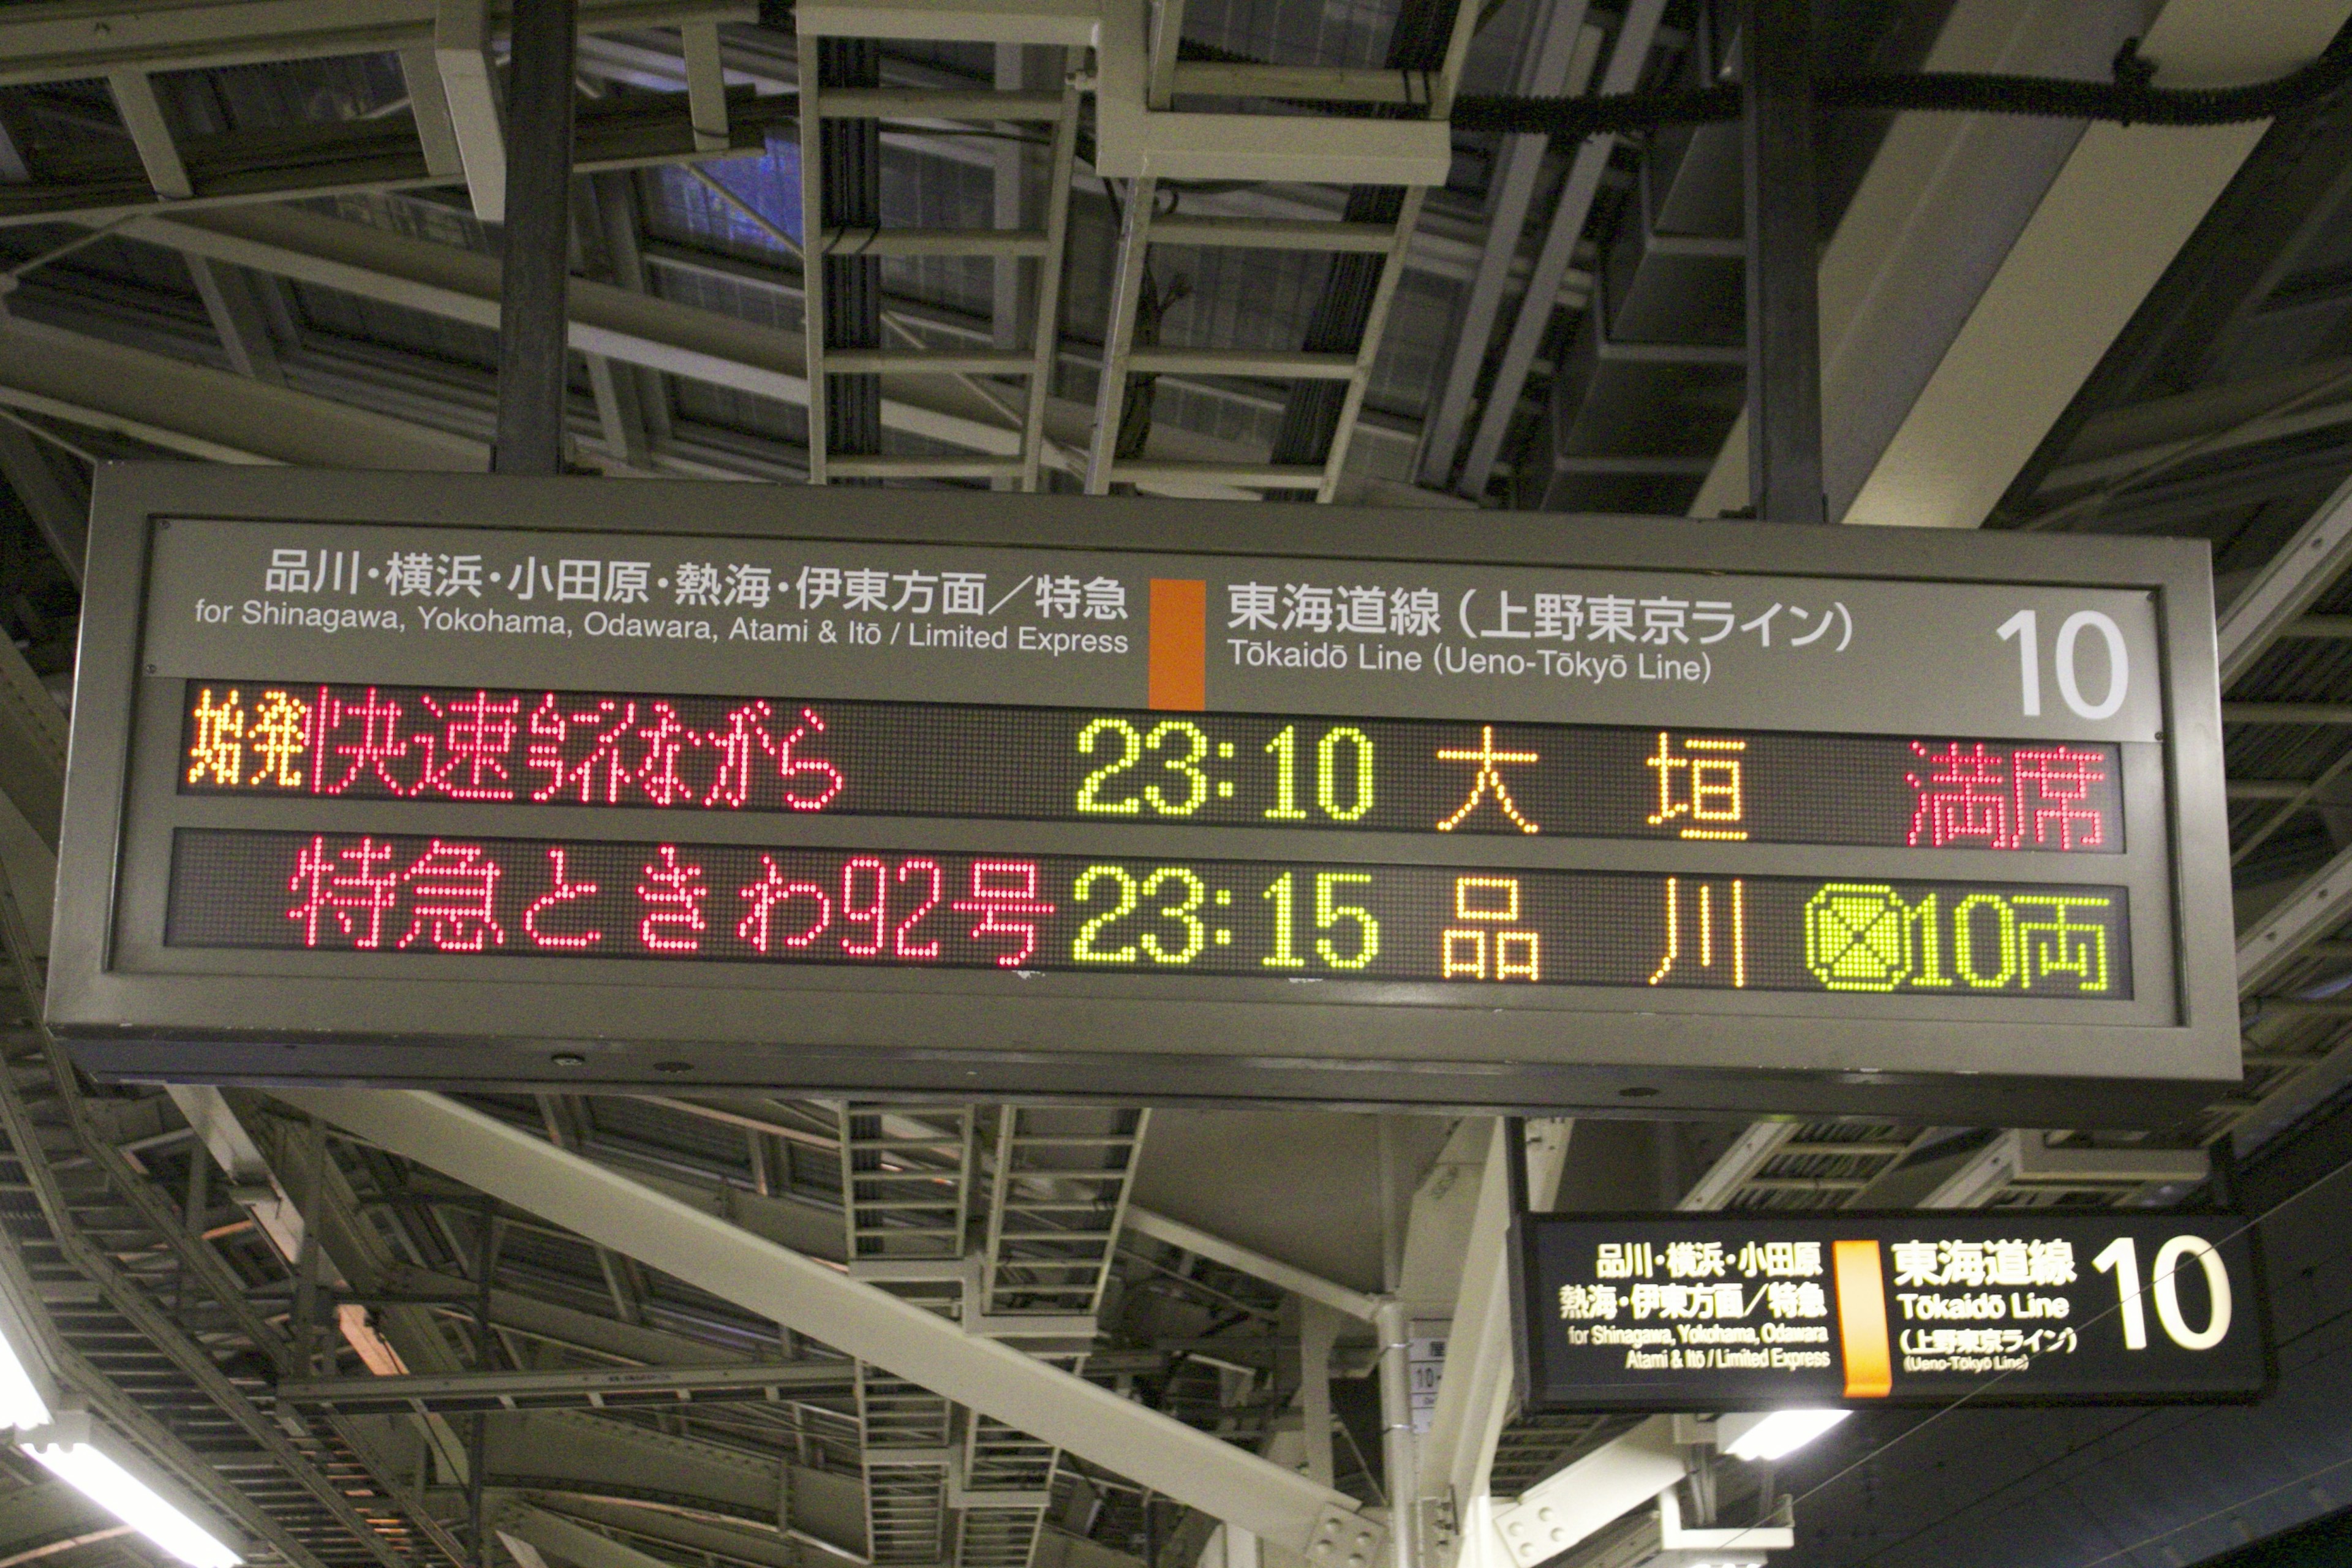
(1756, 1311)
(438, 778)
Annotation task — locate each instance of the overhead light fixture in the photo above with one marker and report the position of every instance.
(65, 1449)
(23, 1405)
(1769, 1434)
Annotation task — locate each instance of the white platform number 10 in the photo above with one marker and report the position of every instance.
(2024, 629)
(2121, 1258)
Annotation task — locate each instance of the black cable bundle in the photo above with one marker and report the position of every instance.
(2131, 99)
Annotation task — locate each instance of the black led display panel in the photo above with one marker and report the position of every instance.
(598, 898)
(1761, 1312)
(909, 759)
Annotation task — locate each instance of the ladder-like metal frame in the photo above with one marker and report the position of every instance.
(1057, 1202)
(1047, 245)
(906, 1193)
(1140, 229)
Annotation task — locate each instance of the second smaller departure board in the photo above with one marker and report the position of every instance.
(1757, 1312)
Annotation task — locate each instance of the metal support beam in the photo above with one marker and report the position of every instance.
(2025, 1157)
(1560, 57)
(84, 38)
(58, 509)
(1010, 202)
(32, 749)
(1748, 1153)
(536, 1531)
(1569, 1504)
(537, 248)
(1784, 347)
(1318, 1329)
(1457, 1456)
(596, 1387)
(1624, 74)
(639, 328)
(2322, 904)
(469, 96)
(706, 85)
(1942, 203)
(2130, 195)
(2290, 583)
(1118, 333)
(1134, 141)
(855, 1318)
(1400, 1455)
(143, 116)
(659, 334)
(203, 413)
(1257, 1264)
(616, 211)
(238, 320)
(252, 1185)
(428, 108)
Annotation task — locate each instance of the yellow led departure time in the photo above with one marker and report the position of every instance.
(1329, 913)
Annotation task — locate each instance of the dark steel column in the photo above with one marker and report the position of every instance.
(537, 241)
(1784, 349)
(850, 163)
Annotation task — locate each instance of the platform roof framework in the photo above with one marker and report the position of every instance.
(247, 232)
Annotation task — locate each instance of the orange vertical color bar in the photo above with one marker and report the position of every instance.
(1862, 1320)
(1179, 676)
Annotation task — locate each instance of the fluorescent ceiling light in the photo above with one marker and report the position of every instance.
(1771, 1434)
(21, 1405)
(66, 1451)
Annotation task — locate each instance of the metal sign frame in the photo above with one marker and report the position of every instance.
(2234, 1232)
(286, 1016)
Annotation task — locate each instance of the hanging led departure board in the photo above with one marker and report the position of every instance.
(1759, 1311)
(450, 779)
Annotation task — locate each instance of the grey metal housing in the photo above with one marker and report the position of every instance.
(134, 1008)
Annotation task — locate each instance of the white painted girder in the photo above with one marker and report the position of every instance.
(527, 1531)
(634, 328)
(1939, 209)
(66, 40)
(1457, 1453)
(1234, 1255)
(1628, 59)
(252, 1184)
(637, 329)
(2110, 222)
(1560, 59)
(1567, 1506)
(857, 1319)
(470, 99)
(203, 413)
(2317, 906)
(2290, 583)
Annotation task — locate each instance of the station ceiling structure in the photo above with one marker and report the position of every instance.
(1230, 249)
